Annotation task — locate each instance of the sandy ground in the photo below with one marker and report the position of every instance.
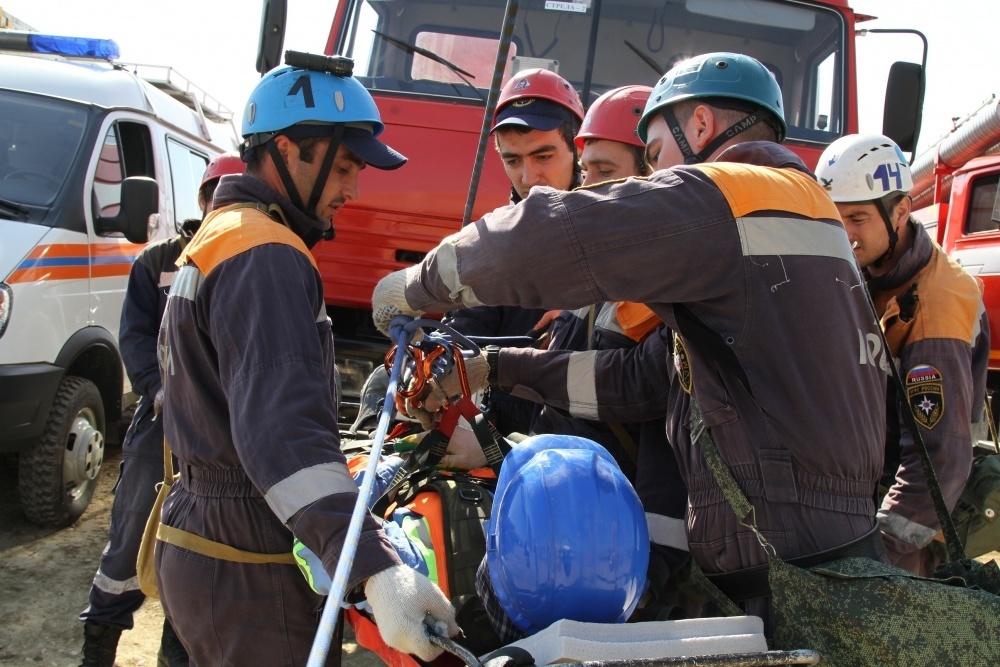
(45, 577)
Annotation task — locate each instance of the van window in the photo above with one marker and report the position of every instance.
(981, 204)
(39, 142)
(127, 151)
(186, 169)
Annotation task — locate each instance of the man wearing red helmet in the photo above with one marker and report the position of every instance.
(537, 118)
(115, 594)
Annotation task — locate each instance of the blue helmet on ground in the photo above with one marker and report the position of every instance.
(303, 102)
(567, 538)
(721, 76)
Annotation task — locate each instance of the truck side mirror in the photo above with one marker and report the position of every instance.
(904, 103)
(140, 199)
(272, 35)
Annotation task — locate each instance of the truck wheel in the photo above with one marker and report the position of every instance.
(57, 476)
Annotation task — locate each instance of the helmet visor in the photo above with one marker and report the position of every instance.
(533, 112)
(372, 151)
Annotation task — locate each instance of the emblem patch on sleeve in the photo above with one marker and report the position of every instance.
(925, 394)
(682, 364)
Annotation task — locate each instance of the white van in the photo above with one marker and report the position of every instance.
(94, 161)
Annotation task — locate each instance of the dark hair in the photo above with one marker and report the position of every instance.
(641, 166)
(567, 131)
(307, 150)
(730, 112)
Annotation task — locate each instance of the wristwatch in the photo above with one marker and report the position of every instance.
(492, 360)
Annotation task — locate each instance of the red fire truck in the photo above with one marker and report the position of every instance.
(955, 195)
(430, 65)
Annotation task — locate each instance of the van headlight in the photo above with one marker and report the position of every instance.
(6, 302)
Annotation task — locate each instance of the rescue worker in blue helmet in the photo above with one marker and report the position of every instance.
(250, 400)
(736, 247)
(935, 322)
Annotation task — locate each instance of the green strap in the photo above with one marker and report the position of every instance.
(725, 605)
(720, 471)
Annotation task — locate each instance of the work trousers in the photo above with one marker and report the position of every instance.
(228, 613)
(115, 594)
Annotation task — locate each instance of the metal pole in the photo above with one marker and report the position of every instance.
(506, 35)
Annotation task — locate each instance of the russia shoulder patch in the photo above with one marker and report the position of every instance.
(925, 394)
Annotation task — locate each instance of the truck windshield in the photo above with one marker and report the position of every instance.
(599, 45)
(40, 138)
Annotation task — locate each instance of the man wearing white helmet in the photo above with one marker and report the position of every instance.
(250, 399)
(934, 320)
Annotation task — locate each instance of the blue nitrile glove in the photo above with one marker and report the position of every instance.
(386, 470)
(408, 552)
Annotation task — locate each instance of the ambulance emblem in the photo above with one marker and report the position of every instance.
(925, 394)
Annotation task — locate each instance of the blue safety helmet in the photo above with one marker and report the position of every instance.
(567, 537)
(313, 103)
(717, 75)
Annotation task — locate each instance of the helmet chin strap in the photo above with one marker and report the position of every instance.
(324, 172)
(893, 234)
(318, 184)
(690, 157)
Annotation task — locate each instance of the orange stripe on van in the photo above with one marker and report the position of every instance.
(39, 274)
(110, 270)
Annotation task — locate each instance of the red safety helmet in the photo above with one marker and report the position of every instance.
(615, 116)
(225, 163)
(525, 99)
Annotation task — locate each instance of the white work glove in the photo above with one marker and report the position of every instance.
(439, 392)
(389, 301)
(401, 598)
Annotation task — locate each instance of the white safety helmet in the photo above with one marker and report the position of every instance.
(863, 167)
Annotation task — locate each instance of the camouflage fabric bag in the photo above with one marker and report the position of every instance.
(977, 514)
(864, 613)
(858, 611)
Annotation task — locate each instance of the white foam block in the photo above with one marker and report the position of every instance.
(566, 641)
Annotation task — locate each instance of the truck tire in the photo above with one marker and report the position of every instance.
(58, 474)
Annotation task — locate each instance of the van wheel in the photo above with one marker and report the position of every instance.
(57, 476)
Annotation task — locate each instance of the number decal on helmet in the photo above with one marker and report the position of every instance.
(302, 84)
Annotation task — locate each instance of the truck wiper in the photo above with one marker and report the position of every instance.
(12, 210)
(646, 58)
(430, 55)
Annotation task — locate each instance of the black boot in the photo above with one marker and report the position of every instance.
(172, 652)
(100, 644)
